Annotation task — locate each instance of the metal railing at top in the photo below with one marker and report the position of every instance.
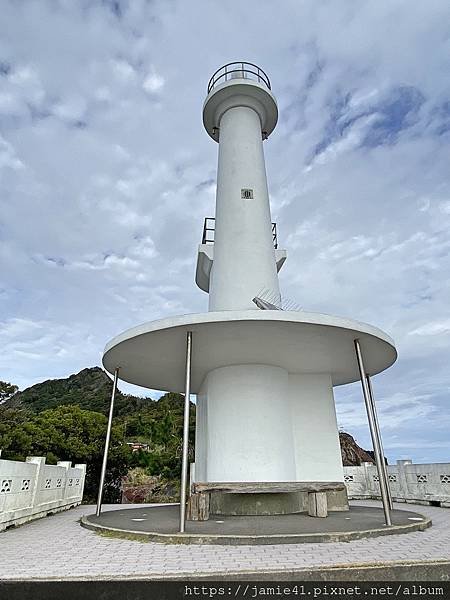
(209, 229)
(238, 70)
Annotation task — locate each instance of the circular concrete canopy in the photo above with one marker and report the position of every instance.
(153, 355)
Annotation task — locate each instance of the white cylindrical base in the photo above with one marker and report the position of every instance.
(249, 435)
(261, 423)
(315, 430)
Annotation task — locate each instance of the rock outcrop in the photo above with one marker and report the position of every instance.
(352, 454)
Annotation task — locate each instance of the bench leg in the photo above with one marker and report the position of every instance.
(198, 507)
(317, 504)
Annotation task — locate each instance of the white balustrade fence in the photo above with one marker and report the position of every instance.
(425, 483)
(32, 489)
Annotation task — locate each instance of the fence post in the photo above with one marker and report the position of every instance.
(367, 485)
(67, 465)
(82, 467)
(402, 480)
(39, 461)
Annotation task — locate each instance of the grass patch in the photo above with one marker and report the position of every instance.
(122, 535)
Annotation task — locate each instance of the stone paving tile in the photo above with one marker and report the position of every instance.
(60, 547)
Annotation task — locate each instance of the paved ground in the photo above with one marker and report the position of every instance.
(58, 547)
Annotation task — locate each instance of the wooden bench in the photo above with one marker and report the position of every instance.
(199, 500)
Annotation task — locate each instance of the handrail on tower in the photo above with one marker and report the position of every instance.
(238, 70)
(209, 226)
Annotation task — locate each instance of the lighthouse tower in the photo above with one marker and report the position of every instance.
(263, 376)
(239, 113)
(245, 426)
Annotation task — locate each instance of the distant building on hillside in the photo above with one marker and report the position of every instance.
(135, 446)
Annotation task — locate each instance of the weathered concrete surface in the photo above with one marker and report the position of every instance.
(61, 549)
(257, 504)
(161, 524)
(387, 571)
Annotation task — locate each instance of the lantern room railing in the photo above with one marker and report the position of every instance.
(238, 70)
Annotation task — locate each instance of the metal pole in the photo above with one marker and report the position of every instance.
(371, 418)
(108, 436)
(380, 441)
(184, 464)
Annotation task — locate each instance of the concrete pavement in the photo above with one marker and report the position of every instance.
(58, 547)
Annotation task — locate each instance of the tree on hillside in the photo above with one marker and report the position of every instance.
(7, 390)
(90, 389)
(160, 425)
(65, 419)
(67, 433)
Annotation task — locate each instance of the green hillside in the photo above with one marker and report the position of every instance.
(65, 419)
(89, 389)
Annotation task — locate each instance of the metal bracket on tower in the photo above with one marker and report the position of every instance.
(269, 300)
(264, 305)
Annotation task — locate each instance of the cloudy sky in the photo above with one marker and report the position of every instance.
(106, 175)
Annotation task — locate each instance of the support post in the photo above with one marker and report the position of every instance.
(379, 459)
(380, 441)
(108, 437)
(184, 464)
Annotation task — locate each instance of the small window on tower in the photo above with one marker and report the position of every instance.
(246, 193)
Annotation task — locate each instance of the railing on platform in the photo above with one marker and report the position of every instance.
(238, 70)
(209, 230)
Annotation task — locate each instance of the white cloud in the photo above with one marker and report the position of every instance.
(72, 108)
(153, 83)
(433, 328)
(124, 71)
(8, 156)
(351, 140)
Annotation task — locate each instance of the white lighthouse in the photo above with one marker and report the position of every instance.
(238, 113)
(263, 378)
(243, 428)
